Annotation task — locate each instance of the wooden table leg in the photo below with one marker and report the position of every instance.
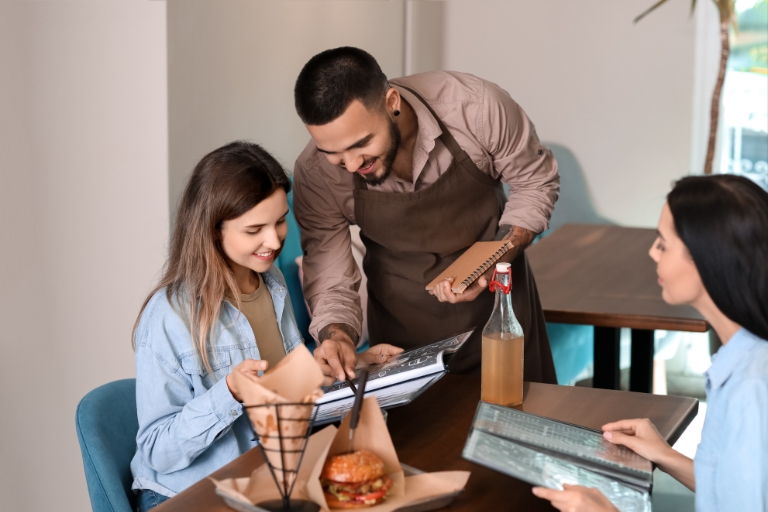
(641, 369)
(607, 345)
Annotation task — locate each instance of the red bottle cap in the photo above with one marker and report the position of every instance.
(501, 268)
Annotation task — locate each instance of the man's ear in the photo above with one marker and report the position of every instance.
(392, 100)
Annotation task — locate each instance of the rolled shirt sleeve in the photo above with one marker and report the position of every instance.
(331, 275)
(519, 160)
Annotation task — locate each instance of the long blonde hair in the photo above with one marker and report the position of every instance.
(226, 184)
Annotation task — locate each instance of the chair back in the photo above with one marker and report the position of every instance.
(107, 424)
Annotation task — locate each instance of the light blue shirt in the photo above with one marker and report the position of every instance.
(189, 423)
(731, 463)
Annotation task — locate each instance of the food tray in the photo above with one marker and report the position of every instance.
(421, 506)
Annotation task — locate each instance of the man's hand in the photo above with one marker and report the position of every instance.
(336, 354)
(444, 293)
(237, 379)
(378, 354)
(520, 238)
(575, 498)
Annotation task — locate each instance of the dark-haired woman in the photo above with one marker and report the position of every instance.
(221, 310)
(712, 253)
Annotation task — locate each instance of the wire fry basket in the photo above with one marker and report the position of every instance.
(282, 431)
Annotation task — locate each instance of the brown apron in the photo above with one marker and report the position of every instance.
(411, 237)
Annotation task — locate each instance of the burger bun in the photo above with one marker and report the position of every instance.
(353, 467)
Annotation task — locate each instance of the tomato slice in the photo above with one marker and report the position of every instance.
(373, 496)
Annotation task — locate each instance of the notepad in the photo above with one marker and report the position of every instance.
(472, 264)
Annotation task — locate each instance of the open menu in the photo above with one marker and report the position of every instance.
(549, 453)
(395, 382)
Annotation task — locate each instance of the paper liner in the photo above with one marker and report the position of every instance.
(295, 379)
(371, 434)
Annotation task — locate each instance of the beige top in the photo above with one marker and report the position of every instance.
(260, 312)
(493, 130)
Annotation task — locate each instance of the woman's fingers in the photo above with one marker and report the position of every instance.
(622, 426)
(253, 365)
(546, 494)
(629, 441)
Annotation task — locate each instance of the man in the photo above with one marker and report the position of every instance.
(418, 163)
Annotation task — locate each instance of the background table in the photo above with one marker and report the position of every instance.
(429, 434)
(602, 275)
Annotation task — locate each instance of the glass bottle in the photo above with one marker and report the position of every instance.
(502, 362)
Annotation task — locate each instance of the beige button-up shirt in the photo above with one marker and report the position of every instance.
(485, 121)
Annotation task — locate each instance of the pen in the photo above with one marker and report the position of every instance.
(355, 414)
(351, 385)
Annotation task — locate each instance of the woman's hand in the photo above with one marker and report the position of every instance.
(237, 378)
(575, 498)
(640, 436)
(380, 353)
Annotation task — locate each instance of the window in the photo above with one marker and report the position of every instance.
(744, 134)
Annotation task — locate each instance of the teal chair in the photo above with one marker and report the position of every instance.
(106, 425)
(286, 262)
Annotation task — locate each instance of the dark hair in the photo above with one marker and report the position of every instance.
(333, 79)
(723, 221)
(226, 184)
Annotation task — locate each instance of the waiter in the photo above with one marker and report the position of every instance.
(418, 163)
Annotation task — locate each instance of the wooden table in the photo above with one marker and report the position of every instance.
(602, 275)
(429, 434)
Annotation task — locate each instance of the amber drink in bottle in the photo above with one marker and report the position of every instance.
(502, 364)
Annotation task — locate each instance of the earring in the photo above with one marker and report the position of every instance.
(396, 113)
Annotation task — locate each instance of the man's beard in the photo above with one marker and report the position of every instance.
(389, 158)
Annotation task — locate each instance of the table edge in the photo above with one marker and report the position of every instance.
(625, 320)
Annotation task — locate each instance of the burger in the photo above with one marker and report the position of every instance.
(354, 480)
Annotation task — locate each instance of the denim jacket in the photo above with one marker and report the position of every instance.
(189, 423)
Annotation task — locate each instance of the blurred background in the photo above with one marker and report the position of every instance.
(106, 105)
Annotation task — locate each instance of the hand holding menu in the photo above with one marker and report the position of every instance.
(546, 452)
(472, 264)
(395, 382)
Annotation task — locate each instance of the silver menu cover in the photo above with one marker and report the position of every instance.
(549, 453)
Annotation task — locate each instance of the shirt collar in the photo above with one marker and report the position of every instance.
(730, 355)
(429, 129)
(273, 283)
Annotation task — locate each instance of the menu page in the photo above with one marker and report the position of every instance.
(544, 470)
(392, 396)
(407, 365)
(561, 438)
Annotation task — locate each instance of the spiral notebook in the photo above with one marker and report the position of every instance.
(472, 264)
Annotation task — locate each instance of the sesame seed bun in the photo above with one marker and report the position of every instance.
(353, 467)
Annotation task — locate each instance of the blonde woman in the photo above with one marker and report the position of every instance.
(221, 308)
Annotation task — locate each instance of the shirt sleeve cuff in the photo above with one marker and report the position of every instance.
(223, 404)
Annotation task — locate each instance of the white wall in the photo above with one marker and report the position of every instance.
(232, 66)
(618, 95)
(83, 209)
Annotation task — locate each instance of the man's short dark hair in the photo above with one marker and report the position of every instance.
(333, 79)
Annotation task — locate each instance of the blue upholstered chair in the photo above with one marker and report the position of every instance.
(106, 425)
(286, 262)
